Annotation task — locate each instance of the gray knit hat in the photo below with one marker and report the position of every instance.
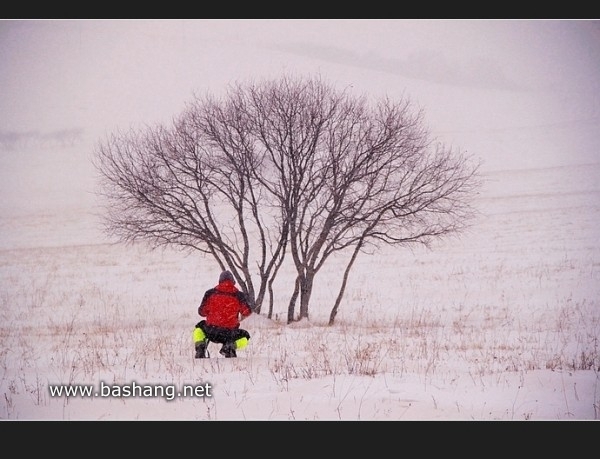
(226, 275)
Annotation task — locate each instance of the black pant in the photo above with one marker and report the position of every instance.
(220, 334)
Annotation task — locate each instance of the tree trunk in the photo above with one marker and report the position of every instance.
(338, 300)
(305, 293)
(292, 304)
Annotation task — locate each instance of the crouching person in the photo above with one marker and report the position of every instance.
(223, 307)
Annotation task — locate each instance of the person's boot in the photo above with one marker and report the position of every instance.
(201, 350)
(228, 350)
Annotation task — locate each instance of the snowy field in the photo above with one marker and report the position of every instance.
(500, 324)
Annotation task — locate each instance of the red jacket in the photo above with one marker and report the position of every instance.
(224, 305)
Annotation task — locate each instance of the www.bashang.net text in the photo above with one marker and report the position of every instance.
(166, 391)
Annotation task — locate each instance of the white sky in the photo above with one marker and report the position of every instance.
(481, 82)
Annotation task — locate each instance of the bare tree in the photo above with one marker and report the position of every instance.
(286, 166)
(348, 175)
(190, 186)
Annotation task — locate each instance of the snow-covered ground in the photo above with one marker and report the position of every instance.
(501, 324)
